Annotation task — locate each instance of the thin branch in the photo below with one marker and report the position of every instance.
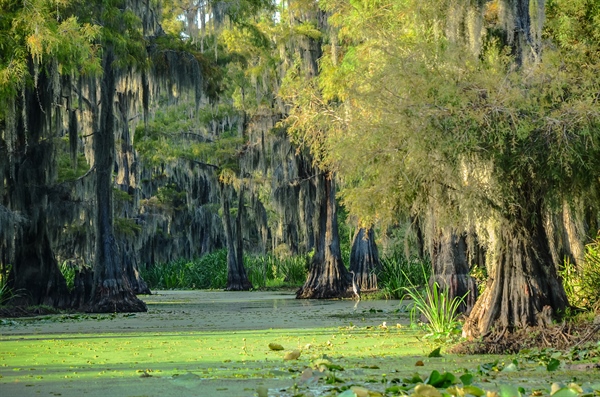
(203, 164)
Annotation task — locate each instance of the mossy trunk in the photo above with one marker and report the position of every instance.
(111, 290)
(35, 278)
(364, 259)
(327, 278)
(237, 279)
(451, 268)
(523, 288)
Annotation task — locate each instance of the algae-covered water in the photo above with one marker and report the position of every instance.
(205, 343)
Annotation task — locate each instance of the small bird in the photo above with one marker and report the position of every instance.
(355, 287)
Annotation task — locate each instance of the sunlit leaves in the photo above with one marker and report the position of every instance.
(44, 30)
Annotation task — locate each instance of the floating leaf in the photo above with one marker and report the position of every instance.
(323, 364)
(435, 353)
(440, 380)
(422, 390)
(575, 387)
(360, 391)
(565, 392)
(509, 391)
(275, 346)
(293, 355)
(415, 379)
(474, 390)
(553, 364)
(466, 379)
(510, 368)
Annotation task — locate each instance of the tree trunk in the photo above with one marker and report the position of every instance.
(237, 279)
(111, 289)
(327, 278)
(35, 277)
(364, 259)
(451, 268)
(523, 288)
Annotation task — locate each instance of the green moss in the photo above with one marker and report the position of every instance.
(126, 227)
(67, 171)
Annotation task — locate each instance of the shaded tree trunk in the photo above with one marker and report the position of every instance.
(364, 259)
(451, 268)
(418, 230)
(111, 290)
(127, 164)
(523, 288)
(327, 278)
(237, 279)
(34, 277)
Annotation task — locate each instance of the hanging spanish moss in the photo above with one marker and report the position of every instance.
(28, 134)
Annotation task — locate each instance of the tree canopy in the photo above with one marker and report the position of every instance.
(122, 122)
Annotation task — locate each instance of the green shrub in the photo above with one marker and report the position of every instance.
(68, 271)
(271, 271)
(207, 272)
(582, 282)
(210, 272)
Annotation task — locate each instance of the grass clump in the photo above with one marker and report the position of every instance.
(398, 273)
(434, 305)
(207, 272)
(210, 272)
(270, 271)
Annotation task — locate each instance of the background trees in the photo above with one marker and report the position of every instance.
(41, 50)
(453, 114)
(474, 122)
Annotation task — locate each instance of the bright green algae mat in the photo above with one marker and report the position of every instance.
(214, 343)
(235, 363)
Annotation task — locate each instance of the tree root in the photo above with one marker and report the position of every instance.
(561, 336)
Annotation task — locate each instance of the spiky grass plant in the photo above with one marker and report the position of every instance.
(434, 304)
(397, 273)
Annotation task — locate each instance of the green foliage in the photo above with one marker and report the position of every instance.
(181, 133)
(434, 304)
(68, 271)
(67, 171)
(582, 282)
(479, 273)
(266, 271)
(6, 292)
(126, 227)
(210, 272)
(398, 273)
(309, 30)
(206, 272)
(45, 32)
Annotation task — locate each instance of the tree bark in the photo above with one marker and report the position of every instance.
(111, 289)
(364, 259)
(34, 277)
(327, 278)
(523, 288)
(451, 268)
(237, 279)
